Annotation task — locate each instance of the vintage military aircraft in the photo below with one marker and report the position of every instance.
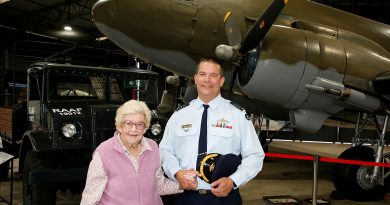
(298, 60)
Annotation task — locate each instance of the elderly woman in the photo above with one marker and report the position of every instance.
(126, 168)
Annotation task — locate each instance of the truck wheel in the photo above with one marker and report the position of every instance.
(37, 194)
(351, 181)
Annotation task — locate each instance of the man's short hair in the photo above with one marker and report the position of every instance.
(211, 60)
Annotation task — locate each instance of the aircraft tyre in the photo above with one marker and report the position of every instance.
(350, 180)
(36, 194)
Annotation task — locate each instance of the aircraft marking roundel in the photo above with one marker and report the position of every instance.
(261, 24)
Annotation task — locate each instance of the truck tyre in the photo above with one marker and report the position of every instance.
(350, 180)
(37, 194)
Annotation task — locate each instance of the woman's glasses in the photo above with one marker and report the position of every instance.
(130, 124)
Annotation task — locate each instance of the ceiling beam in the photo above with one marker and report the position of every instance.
(49, 15)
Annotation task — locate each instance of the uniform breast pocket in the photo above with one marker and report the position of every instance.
(220, 139)
(182, 133)
(186, 139)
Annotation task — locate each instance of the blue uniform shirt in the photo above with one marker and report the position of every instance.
(228, 131)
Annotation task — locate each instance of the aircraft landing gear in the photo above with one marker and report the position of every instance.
(354, 181)
(264, 134)
(363, 183)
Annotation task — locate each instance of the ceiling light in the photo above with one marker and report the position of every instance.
(101, 38)
(67, 28)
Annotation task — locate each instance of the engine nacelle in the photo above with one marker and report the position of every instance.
(290, 58)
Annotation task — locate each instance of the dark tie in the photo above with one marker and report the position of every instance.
(202, 148)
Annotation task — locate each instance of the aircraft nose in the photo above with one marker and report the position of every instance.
(141, 27)
(126, 15)
(103, 11)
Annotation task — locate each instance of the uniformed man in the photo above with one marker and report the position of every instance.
(229, 131)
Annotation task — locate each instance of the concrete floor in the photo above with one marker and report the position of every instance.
(295, 177)
(278, 177)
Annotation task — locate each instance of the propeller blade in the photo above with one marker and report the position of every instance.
(232, 30)
(262, 25)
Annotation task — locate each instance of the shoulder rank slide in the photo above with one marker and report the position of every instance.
(237, 106)
(247, 116)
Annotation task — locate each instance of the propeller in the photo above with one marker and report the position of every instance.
(262, 25)
(237, 49)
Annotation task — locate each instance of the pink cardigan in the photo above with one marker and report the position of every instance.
(123, 185)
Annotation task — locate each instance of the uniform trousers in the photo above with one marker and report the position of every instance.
(199, 197)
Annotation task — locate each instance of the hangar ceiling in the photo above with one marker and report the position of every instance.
(32, 30)
(50, 16)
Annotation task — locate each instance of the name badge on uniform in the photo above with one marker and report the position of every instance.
(222, 123)
(186, 127)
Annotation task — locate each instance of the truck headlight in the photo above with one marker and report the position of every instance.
(156, 129)
(70, 130)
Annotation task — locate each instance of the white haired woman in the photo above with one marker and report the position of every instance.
(125, 169)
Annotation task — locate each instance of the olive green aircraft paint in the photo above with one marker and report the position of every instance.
(307, 41)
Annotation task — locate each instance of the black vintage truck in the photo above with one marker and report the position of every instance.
(68, 111)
